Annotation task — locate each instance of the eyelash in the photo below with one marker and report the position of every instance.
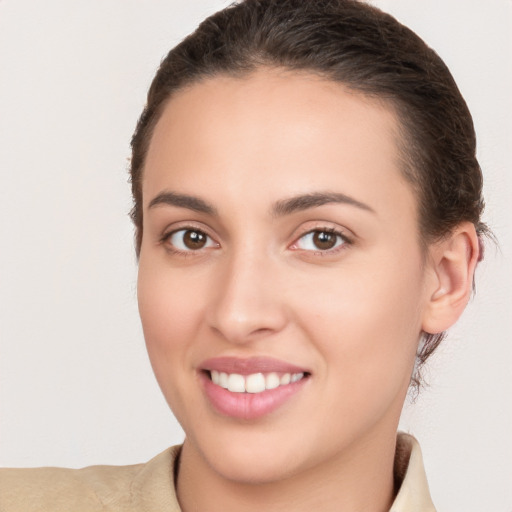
(341, 243)
(165, 240)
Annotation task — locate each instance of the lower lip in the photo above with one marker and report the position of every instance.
(248, 406)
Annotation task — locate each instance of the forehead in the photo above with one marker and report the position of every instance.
(291, 130)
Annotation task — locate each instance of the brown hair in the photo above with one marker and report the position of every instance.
(368, 51)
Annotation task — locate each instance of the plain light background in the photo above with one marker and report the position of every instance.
(76, 387)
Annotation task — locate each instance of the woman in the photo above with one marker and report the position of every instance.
(307, 209)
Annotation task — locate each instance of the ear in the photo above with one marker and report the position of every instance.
(452, 264)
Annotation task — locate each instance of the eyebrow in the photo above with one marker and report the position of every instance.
(313, 200)
(183, 201)
(279, 209)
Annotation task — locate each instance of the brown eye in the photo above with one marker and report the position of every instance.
(320, 240)
(194, 239)
(324, 240)
(190, 240)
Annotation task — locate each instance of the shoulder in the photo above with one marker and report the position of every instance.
(148, 486)
(57, 488)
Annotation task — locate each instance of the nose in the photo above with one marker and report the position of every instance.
(249, 302)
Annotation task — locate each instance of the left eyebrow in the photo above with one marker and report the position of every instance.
(183, 201)
(313, 200)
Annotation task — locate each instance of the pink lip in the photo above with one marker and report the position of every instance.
(248, 406)
(251, 365)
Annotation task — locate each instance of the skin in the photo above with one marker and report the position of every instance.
(351, 315)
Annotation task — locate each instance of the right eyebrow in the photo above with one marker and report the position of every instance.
(182, 201)
(314, 200)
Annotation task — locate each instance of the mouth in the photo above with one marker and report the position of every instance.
(250, 388)
(255, 382)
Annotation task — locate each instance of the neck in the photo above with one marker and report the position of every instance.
(359, 479)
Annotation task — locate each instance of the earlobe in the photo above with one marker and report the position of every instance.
(452, 261)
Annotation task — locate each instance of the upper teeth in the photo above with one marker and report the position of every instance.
(253, 383)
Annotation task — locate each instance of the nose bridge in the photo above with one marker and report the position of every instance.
(247, 302)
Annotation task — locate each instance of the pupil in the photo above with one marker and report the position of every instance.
(194, 239)
(324, 240)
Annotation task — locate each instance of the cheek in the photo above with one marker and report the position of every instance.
(169, 312)
(367, 324)
(166, 303)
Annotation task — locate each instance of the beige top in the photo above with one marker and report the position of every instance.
(150, 487)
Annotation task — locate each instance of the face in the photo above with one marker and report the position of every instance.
(281, 280)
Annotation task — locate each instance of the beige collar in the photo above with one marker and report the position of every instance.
(413, 494)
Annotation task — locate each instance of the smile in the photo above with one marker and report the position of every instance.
(253, 383)
(250, 389)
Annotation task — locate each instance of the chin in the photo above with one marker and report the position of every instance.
(255, 470)
(253, 459)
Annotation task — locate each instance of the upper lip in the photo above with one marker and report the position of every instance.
(248, 366)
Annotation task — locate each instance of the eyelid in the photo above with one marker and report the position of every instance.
(343, 233)
(186, 226)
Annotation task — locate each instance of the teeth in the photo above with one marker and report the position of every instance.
(236, 383)
(254, 383)
(272, 381)
(285, 379)
(223, 380)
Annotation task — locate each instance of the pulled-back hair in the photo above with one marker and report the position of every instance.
(366, 50)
